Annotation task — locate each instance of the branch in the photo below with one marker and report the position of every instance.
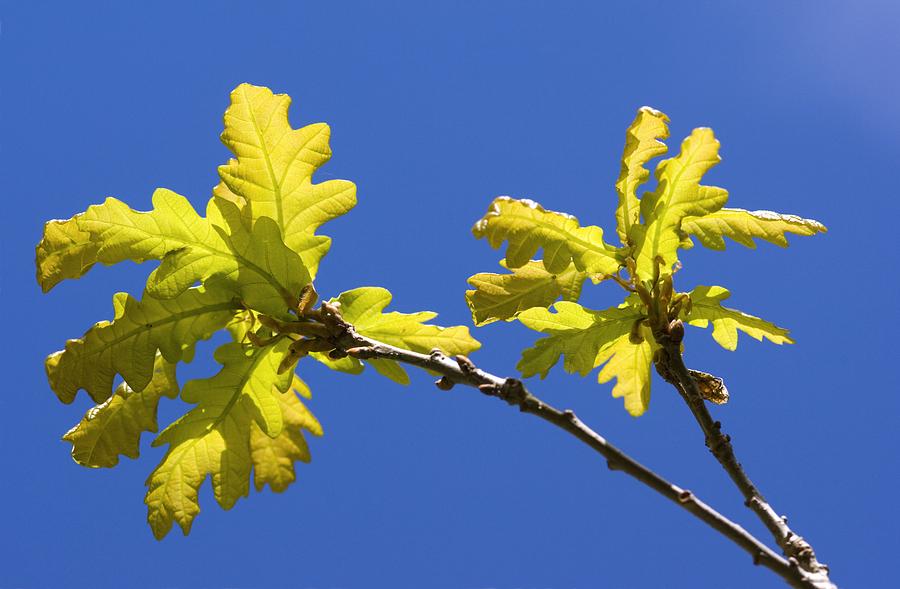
(461, 370)
(671, 367)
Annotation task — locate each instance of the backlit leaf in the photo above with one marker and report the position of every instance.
(706, 307)
(65, 252)
(678, 194)
(742, 226)
(642, 143)
(255, 261)
(503, 296)
(629, 364)
(577, 334)
(213, 439)
(527, 227)
(363, 308)
(114, 427)
(273, 458)
(251, 373)
(274, 168)
(127, 345)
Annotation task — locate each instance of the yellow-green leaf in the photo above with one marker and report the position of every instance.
(579, 335)
(706, 307)
(629, 364)
(527, 227)
(274, 168)
(742, 226)
(255, 261)
(114, 427)
(213, 439)
(642, 144)
(363, 308)
(273, 458)
(64, 252)
(503, 296)
(678, 194)
(127, 345)
(252, 374)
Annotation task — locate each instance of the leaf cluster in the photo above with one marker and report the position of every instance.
(651, 229)
(247, 268)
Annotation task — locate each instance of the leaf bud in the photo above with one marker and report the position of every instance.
(676, 330)
(444, 383)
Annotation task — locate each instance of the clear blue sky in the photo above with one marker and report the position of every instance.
(435, 109)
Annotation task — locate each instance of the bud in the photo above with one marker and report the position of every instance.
(676, 330)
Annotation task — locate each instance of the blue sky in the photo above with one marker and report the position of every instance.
(435, 109)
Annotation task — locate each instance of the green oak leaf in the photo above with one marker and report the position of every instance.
(678, 195)
(652, 227)
(253, 260)
(253, 252)
(363, 308)
(742, 226)
(274, 168)
(127, 345)
(503, 296)
(251, 373)
(273, 458)
(629, 363)
(65, 252)
(642, 144)
(214, 438)
(706, 307)
(527, 227)
(577, 334)
(114, 427)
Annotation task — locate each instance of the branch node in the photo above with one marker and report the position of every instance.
(757, 557)
(360, 353)
(466, 365)
(337, 354)
(513, 392)
(685, 496)
(490, 390)
(445, 383)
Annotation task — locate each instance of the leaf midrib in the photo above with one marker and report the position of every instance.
(569, 236)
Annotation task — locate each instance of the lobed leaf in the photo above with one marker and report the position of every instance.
(114, 427)
(504, 296)
(252, 374)
(629, 364)
(254, 261)
(363, 308)
(273, 458)
(274, 168)
(641, 145)
(127, 345)
(527, 227)
(706, 307)
(214, 438)
(64, 252)
(742, 226)
(577, 334)
(678, 195)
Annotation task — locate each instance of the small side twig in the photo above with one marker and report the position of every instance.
(670, 365)
(460, 370)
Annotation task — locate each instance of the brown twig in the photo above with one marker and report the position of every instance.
(461, 370)
(670, 365)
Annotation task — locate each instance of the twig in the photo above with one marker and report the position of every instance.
(460, 370)
(799, 552)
